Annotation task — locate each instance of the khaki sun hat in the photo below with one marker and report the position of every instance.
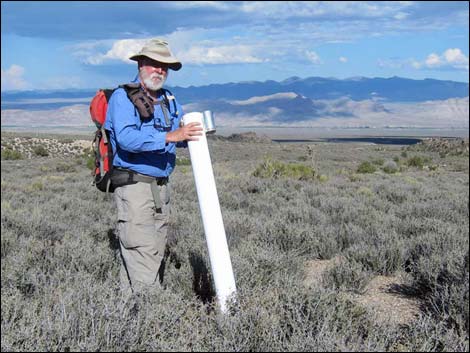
(158, 49)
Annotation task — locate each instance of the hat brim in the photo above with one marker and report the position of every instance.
(172, 62)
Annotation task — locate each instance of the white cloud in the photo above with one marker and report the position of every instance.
(433, 60)
(121, 50)
(313, 57)
(451, 58)
(343, 59)
(456, 57)
(326, 9)
(12, 78)
(181, 44)
(228, 54)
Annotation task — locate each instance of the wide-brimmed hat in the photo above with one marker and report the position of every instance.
(158, 50)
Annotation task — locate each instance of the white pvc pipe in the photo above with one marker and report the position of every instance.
(211, 215)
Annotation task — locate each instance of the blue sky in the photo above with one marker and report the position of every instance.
(86, 44)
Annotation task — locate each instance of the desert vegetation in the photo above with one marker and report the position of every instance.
(335, 247)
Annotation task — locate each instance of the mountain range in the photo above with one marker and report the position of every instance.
(313, 101)
(393, 89)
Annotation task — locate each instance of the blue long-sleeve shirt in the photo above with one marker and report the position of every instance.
(140, 145)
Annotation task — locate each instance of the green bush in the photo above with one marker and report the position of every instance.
(89, 158)
(11, 154)
(416, 161)
(323, 178)
(275, 169)
(90, 162)
(40, 151)
(366, 167)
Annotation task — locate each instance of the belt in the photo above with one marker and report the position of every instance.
(127, 176)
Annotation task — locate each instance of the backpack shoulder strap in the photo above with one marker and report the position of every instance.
(170, 97)
(141, 101)
(108, 92)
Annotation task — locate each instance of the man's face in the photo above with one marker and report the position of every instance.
(152, 73)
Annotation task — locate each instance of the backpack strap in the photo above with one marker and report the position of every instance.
(139, 98)
(170, 97)
(144, 104)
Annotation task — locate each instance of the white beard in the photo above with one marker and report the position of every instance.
(150, 83)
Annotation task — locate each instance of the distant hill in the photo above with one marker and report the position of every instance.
(314, 101)
(283, 109)
(393, 89)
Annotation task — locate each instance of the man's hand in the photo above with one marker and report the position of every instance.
(185, 133)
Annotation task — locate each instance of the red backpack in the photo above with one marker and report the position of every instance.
(102, 148)
(101, 143)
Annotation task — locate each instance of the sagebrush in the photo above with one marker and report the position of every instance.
(60, 256)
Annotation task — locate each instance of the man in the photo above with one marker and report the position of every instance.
(144, 132)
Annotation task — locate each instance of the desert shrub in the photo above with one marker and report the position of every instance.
(377, 253)
(323, 178)
(40, 151)
(65, 168)
(439, 264)
(366, 167)
(417, 161)
(9, 154)
(89, 157)
(354, 177)
(391, 167)
(378, 161)
(276, 169)
(37, 186)
(60, 267)
(347, 275)
(91, 162)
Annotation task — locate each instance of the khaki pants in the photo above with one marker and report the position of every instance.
(142, 231)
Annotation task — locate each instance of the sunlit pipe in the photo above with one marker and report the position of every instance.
(210, 210)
